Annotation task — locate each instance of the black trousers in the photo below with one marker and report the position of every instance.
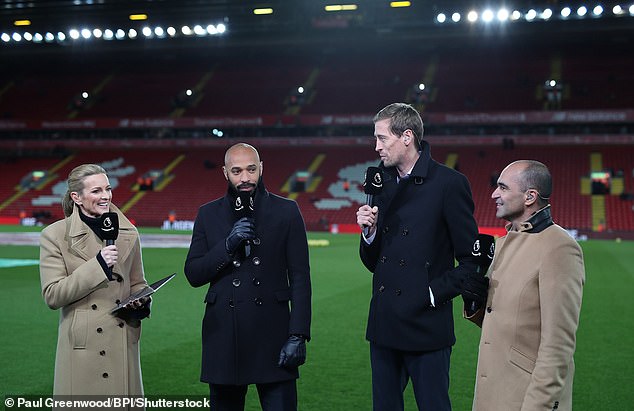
(276, 396)
(428, 371)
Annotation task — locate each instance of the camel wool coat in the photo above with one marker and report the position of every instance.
(525, 359)
(97, 353)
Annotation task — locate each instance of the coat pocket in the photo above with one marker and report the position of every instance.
(521, 360)
(79, 329)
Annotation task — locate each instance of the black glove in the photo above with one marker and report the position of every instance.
(475, 288)
(293, 353)
(243, 230)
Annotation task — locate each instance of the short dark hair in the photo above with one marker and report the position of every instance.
(403, 117)
(536, 176)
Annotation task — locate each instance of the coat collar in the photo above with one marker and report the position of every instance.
(537, 222)
(420, 170)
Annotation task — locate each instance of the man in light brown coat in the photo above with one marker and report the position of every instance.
(531, 315)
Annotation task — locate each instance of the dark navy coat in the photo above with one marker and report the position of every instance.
(253, 303)
(423, 223)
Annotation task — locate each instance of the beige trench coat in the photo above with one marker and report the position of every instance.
(528, 340)
(97, 353)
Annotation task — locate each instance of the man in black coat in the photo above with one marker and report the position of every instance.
(250, 247)
(420, 222)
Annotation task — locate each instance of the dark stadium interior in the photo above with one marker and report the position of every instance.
(485, 104)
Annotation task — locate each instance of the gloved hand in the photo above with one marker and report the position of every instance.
(243, 230)
(475, 288)
(293, 353)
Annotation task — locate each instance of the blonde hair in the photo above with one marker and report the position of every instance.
(75, 182)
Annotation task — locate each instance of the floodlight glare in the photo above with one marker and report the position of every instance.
(455, 17)
(84, 95)
(159, 31)
(16, 37)
(552, 83)
(617, 9)
(85, 33)
(531, 15)
(189, 92)
(516, 15)
(441, 18)
(5, 37)
(49, 37)
(199, 30)
(97, 33)
(503, 15)
(132, 33)
(581, 11)
(597, 11)
(74, 34)
(211, 29)
(472, 16)
(221, 28)
(186, 30)
(61, 36)
(120, 34)
(147, 32)
(421, 86)
(487, 16)
(27, 36)
(631, 9)
(108, 34)
(565, 12)
(38, 38)
(546, 14)
(300, 90)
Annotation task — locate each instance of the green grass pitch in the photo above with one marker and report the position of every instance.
(337, 374)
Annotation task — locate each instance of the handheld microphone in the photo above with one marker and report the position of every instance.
(483, 251)
(109, 227)
(372, 185)
(243, 207)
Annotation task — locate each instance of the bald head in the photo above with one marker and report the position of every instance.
(243, 167)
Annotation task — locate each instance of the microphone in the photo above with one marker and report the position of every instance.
(109, 227)
(372, 185)
(243, 207)
(483, 251)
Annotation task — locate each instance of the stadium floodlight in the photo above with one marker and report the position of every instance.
(186, 30)
(531, 15)
(456, 17)
(211, 29)
(158, 31)
(631, 10)
(487, 15)
(97, 33)
(37, 38)
(147, 32)
(441, 18)
(132, 33)
(199, 30)
(516, 15)
(61, 36)
(421, 86)
(16, 37)
(84, 95)
(85, 33)
(546, 14)
(108, 34)
(27, 36)
(120, 34)
(598, 10)
(49, 37)
(221, 28)
(617, 9)
(565, 12)
(189, 92)
(503, 15)
(5, 37)
(300, 90)
(74, 34)
(472, 16)
(171, 31)
(581, 11)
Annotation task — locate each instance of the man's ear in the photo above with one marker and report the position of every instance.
(224, 171)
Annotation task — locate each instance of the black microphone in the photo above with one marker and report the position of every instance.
(372, 185)
(109, 227)
(483, 251)
(243, 207)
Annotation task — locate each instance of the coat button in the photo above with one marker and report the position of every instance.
(256, 241)
(236, 282)
(258, 301)
(401, 263)
(104, 375)
(236, 263)
(386, 229)
(102, 353)
(231, 304)
(256, 261)
(99, 330)
(256, 282)
(120, 325)
(381, 288)
(383, 259)
(94, 306)
(398, 292)
(405, 231)
(489, 309)
(117, 301)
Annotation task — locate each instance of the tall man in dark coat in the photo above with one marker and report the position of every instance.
(419, 223)
(256, 265)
